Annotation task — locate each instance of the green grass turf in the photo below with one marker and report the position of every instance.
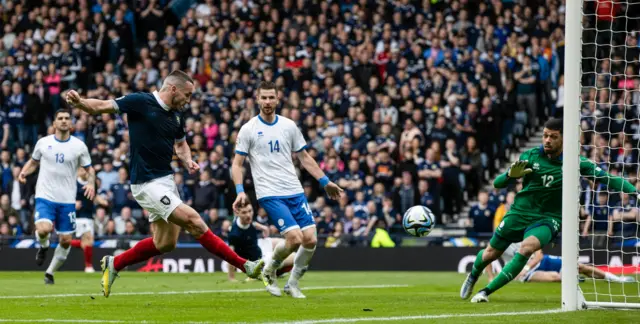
(421, 293)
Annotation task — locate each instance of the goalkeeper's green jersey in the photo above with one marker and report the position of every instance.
(541, 194)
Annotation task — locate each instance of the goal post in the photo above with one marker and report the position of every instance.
(601, 74)
(571, 153)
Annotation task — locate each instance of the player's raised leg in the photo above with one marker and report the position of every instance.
(187, 218)
(484, 258)
(535, 239)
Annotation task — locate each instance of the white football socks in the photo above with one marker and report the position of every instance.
(280, 252)
(59, 257)
(300, 263)
(611, 277)
(44, 241)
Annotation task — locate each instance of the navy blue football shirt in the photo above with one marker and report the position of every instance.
(153, 129)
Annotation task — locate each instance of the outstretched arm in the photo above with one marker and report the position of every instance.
(590, 170)
(309, 164)
(90, 106)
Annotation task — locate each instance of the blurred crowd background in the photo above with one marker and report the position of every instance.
(402, 102)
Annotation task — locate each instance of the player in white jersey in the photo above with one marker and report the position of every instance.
(546, 268)
(269, 140)
(59, 157)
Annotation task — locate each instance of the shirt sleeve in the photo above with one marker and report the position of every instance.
(590, 170)
(299, 143)
(37, 152)
(85, 158)
(181, 136)
(130, 103)
(243, 142)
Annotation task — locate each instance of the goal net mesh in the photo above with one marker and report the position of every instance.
(610, 136)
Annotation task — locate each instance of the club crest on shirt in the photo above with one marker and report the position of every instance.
(49, 147)
(178, 119)
(260, 134)
(536, 166)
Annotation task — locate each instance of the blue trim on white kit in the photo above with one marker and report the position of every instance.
(301, 149)
(264, 122)
(59, 141)
(242, 153)
(282, 197)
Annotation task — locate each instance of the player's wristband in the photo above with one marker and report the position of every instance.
(527, 268)
(324, 181)
(239, 188)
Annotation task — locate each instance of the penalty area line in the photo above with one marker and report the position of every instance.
(417, 317)
(189, 292)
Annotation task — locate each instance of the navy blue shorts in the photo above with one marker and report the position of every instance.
(287, 213)
(62, 215)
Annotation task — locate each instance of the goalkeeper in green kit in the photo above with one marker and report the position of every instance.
(535, 217)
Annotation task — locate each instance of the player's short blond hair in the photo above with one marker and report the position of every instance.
(177, 78)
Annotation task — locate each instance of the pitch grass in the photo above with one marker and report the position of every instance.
(418, 294)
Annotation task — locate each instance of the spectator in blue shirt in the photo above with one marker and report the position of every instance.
(482, 214)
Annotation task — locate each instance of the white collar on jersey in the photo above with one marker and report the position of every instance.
(244, 227)
(162, 104)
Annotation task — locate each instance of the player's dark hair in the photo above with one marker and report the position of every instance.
(267, 85)
(61, 111)
(554, 124)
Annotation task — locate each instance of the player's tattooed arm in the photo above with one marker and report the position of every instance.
(28, 169)
(90, 106)
(183, 151)
(90, 187)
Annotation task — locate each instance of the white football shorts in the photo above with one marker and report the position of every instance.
(160, 197)
(266, 247)
(84, 225)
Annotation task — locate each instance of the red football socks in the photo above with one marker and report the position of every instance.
(283, 270)
(76, 243)
(142, 251)
(88, 255)
(218, 247)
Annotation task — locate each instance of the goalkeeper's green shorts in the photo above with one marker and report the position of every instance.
(515, 228)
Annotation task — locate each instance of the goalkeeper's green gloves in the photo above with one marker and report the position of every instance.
(518, 169)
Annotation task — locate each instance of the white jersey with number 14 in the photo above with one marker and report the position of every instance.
(269, 148)
(59, 162)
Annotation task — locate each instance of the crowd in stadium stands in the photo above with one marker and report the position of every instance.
(402, 102)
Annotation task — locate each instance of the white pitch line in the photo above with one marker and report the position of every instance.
(188, 292)
(417, 317)
(331, 320)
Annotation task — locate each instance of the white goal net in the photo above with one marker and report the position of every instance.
(602, 95)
